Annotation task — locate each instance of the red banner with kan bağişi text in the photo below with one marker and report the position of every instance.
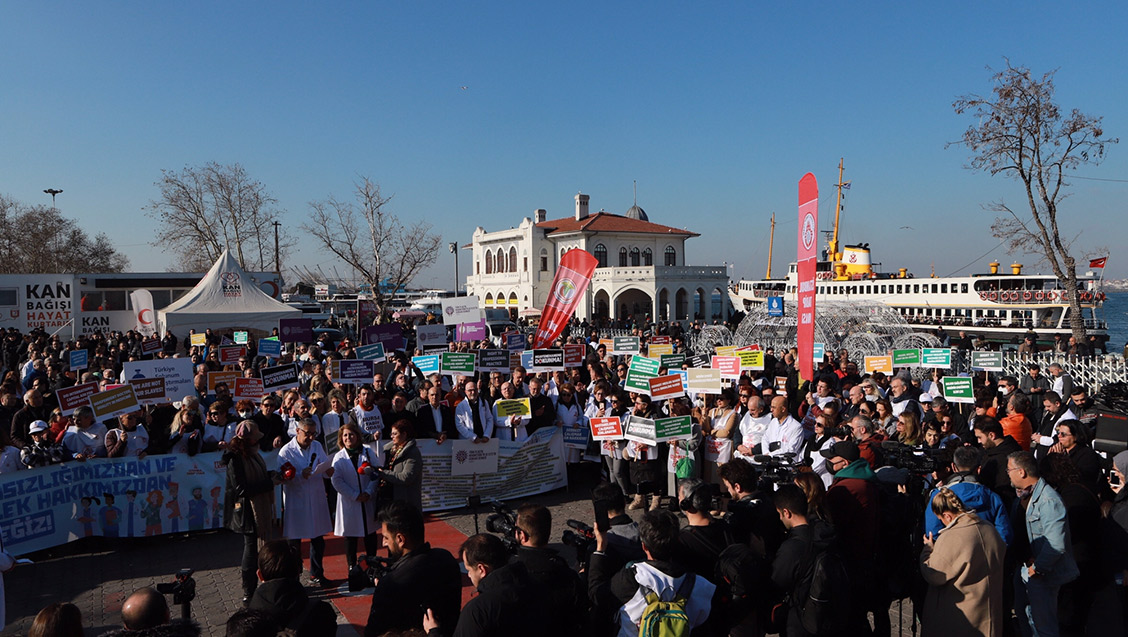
(572, 279)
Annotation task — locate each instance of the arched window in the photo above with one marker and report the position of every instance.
(622, 257)
(489, 262)
(562, 251)
(512, 259)
(634, 257)
(499, 267)
(489, 299)
(671, 256)
(601, 255)
(543, 260)
(648, 257)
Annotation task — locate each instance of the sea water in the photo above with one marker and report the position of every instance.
(1115, 313)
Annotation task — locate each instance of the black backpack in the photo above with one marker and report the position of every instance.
(739, 571)
(823, 596)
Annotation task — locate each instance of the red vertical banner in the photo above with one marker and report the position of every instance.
(807, 258)
(572, 279)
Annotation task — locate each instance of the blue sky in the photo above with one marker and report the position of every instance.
(716, 109)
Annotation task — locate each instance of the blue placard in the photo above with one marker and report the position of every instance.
(427, 364)
(515, 342)
(575, 437)
(684, 373)
(373, 352)
(79, 359)
(818, 350)
(527, 359)
(775, 306)
(270, 347)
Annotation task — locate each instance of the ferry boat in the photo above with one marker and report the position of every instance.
(999, 306)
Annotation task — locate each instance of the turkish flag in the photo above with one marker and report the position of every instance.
(572, 279)
(1098, 263)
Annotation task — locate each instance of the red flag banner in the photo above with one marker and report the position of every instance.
(572, 279)
(1098, 263)
(807, 258)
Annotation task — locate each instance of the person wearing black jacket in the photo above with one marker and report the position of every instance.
(426, 425)
(796, 554)
(420, 578)
(993, 472)
(281, 593)
(543, 413)
(556, 582)
(751, 511)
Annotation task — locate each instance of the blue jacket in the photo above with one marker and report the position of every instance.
(1048, 530)
(986, 503)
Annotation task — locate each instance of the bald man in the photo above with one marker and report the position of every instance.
(144, 609)
(784, 434)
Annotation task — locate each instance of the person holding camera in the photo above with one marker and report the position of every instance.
(750, 512)
(558, 584)
(420, 579)
(623, 543)
(282, 596)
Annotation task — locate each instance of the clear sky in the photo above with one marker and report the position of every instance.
(716, 109)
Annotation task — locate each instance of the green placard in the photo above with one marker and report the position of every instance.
(987, 361)
(958, 389)
(625, 345)
(644, 365)
(671, 361)
(936, 357)
(906, 358)
(240, 338)
(676, 428)
(459, 363)
(638, 381)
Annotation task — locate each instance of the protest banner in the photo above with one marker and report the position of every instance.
(494, 360)
(936, 357)
(987, 361)
(295, 330)
(624, 345)
(278, 377)
(640, 430)
(575, 437)
(70, 398)
(906, 358)
(609, 428)
(460, 309)
(671, 361)
(676, 428)
(231, 355)
(455, 363)
(718, 450)
(215, 378)
(78, 359)
(111, 402)
(197, 340)
(178, 374)
(149, 391)
(666, 387)
(270, 348)
(729, 366)
(431, 336)
(374, 352)
(513, 407)
(806, 256)
(153, 345)
(390, 335)
(703, 381)
(657, 350)
(353, 371)
(469, 457)
(427, 364)
(241, 338)
(248, 389)
(548, 360)
(751, 359)
(468, 332)
(873, 364)
(516, 341)
(574, 355)
(958, 389)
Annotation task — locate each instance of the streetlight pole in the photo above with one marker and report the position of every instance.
(453, 247)
(55, 238)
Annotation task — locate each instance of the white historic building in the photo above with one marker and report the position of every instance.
(642, 270)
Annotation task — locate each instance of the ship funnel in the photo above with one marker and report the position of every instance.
(1016, 268)
(994, 267)
(902, 273)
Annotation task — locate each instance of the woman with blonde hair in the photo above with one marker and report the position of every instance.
(908, 429)
(963, 568)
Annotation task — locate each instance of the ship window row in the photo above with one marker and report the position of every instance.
(891, 288)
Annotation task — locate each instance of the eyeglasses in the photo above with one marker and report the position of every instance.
(1009, 469)
(213, 413)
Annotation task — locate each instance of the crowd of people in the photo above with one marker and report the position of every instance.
(796, 506)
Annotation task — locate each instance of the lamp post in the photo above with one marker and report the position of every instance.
(55, 238)
(453, 247)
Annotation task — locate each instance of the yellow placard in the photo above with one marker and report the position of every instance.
(513, 407)
(751, 359)
(878, 364)
(199, 340)
(726, 350)
(655, 350)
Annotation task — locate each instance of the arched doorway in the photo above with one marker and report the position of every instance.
(664, 305)
(633, 303)
(602, 305)
(681, 300)
(701, 305)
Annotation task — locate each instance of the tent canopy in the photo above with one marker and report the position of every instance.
(227, 298)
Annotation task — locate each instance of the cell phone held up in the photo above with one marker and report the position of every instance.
(602, 520)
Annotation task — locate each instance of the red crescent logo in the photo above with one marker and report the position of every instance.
(141, 317)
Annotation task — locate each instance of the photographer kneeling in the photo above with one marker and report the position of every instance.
(556, 582)
(420, 578)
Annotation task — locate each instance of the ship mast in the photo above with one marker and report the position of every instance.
(833, 246)
(771, 240)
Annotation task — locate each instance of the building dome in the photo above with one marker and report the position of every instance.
(637, 213)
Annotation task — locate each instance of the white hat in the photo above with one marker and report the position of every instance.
(37, 426)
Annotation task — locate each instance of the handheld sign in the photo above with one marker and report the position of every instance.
(458, 363)
(373, 352)
(494, 360)
(469, 332)
(198, 340)
(906, 358)
(248, 389)
(149, 391)
(672, 361)
(640, 430)
(703, 381)
(279, 377)
(75, 396)
(987, 361)
(878, 364)
(729, 366)
(574, 355)
(676, 428)
(610, 428)
(575, 437)
(725, 350)
(231, 355)
(241, 338)
(625, 345)
(751, 359)
(215, 378)
(270, 348)
(431, 336)
(295, 330)
(958, 389)
(353, 371)
(818, 352)
(112, 402)
(666, 387)
(656, 350)
(513, 407)
(515, 341)
(426, 364)
(548, 360)
(940, 357)
(79, 359)
(152, 346)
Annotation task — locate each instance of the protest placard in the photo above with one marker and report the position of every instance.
(248, 389)
(609, 428)
(197, 340)
(640, 430)
(469, 457)
(729, 366)
(295, 330)
(724, 350)
(241, 338)
(702, 361)
(656, 350)
(75, 396)
(781, 385)
(574, 355)
(79, 359)
(431, 336)
(676, 428)
(661, 339)
(279, 377)
(646, 366)
(873, 364)
(270, 348)
(624, 345)
(112, 402)
(575, 437)
(178, 374)
(494, 360)
(152, 346)
(374, 352)
(906, 358)
(958, 389)
(149, 391)
(936, 357)
(427, 364)
(516, 341)
(703, 381)
(455, 363)
(460, 309)
(672, 361)
(666, 387)
(353, 371)
(548, 360)
(231, 355)
(751, 359)
(818, 352)
(388, 334)
(512, 407)
(987, 361)
(469, 332)
(221, 377)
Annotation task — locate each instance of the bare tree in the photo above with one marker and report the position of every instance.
(386, 254)
(40, 240)
(206, 209)
(1021, 132)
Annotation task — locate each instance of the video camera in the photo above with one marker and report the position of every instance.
(503, 521)
(582, 539)
(918, 460)
(377, 566)
(779, 469)
(182, 589)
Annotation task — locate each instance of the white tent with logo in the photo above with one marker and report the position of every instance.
(227, 298)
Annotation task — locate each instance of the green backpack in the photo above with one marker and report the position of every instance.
(667, 619)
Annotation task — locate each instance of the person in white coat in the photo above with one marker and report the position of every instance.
(7, 563)
(474, 417)
(514, 427)
(302, 463)
(569, 414)
(356, 486)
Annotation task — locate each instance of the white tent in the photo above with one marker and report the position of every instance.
(227, 298)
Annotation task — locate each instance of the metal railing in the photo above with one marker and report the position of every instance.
(1092, 371)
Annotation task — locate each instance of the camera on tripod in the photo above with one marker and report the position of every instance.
(182, 589)
(503, 521)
